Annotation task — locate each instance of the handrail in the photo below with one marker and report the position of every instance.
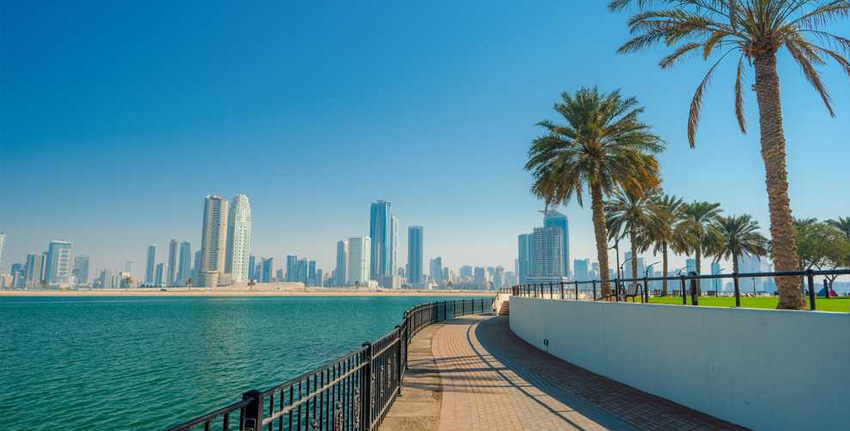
(347, 393)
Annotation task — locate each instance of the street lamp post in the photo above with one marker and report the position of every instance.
(646, 281)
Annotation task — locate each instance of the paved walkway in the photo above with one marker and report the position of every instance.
(492, 380)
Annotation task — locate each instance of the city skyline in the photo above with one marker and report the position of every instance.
(282, 112)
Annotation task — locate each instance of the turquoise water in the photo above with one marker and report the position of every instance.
(148, 363)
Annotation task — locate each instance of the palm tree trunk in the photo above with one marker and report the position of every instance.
(698, 265)
(664, 268)
(601, 233)
(773, 153)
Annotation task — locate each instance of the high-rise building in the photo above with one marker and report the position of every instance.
(547, 260)
(292, 268)
(58, 262)
(35, 269)
(302, 271)
(320, 278)
(278, 274)
(171, 278)
(553, 218)
(252, 267)
(580, 269)
(498, 277)
(466, 271)
(480, 277)
(311, 272)
(150, 264)
(196, 267)
(161, 274)
(524, 257)
(2, 248)
(81, 269)
(128, 266)
(184, 272)
(268, 267)
(690, 265)
(414, 254)
(748, 264)
(359, 257)
(214, 236)
(716, 283)
(341, 273)
(380, 233)
(393, 245)
(239, 239)
(436, 269)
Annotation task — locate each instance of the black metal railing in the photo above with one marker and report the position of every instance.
(351, 393)
(688, 286)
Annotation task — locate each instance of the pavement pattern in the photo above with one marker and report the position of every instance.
(490, 379)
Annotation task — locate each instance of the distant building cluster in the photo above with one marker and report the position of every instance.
(544, 254)
(224, 258)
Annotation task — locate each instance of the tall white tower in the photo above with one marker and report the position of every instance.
(239, 238)
(359, 259)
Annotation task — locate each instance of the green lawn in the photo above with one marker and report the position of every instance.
(840, 304)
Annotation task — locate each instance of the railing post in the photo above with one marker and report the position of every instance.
(576, 298)
(366, 390)
(646, 289)
(253, 418)
(398, 365)
(684, 290)
(825, 288)
(594, 290)
(616, 290)
(737, 285)
(810, 276)
(562, 289)
(694, 291)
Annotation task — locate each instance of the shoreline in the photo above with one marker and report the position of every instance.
(183, 292)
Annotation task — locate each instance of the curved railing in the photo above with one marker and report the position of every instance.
(352, 393)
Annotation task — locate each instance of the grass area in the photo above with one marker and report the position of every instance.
(840, 304)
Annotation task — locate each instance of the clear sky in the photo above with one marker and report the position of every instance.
(118, 117)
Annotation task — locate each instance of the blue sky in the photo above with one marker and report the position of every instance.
(119, 117)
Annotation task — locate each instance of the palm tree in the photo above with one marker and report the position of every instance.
(754, 30)
(603, 146)
(631, 213)
(842, 224)
(699, 224)
(738, 236)
(665, 234)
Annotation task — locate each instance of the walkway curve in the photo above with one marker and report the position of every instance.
(490, 379)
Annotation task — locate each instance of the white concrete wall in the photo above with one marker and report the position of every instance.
(768, 370)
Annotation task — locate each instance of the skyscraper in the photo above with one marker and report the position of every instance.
(81, 269)
(150, 264)
(436, 269)
(268, 267)
(161, 274)
(252, 267)
(580, 267)
(414, 254)
(341, 273)
(35, 269)
(547, 260)
(171, 279)
(239, 238)
(380, 233)
(2, 248)
(553, 218)
(524, 257)
(196, 267)
(128, 266)
(58, 262)
(291, 268)
(184, 271)
(359, 257)
(393, 245)
(214, 239)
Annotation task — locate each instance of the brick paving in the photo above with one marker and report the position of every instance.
(492, 380)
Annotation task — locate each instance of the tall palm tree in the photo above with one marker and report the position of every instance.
(602, 146)
(631, 213)
(665, 234)
(754, 30)
(738, 236)
(842, 224)
(699, 223)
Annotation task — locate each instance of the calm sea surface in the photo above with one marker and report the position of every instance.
(148, 363)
